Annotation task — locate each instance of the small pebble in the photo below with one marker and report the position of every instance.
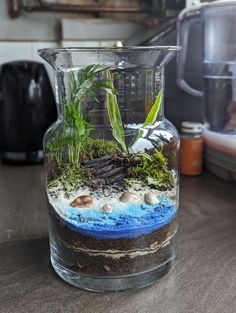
(107, 208)
(136, 159)
(129, 197)
(79, 265)
(84, 201)
(107, 192)
(107, 268)
(150, 198)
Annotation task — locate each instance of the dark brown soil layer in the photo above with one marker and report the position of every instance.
(99, 265)
(68, 242)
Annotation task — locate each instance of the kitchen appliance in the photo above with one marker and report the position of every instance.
(220, 154)
(27, 108)
(179, 105)
(219, 78)
(219, 57)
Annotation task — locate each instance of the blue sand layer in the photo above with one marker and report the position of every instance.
(128, 221)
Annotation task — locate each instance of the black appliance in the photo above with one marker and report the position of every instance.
(27, 108)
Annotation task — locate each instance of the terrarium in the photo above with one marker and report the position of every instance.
(111, 162)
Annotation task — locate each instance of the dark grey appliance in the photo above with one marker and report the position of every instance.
(179, 105)
(27, 108)
(218, 60)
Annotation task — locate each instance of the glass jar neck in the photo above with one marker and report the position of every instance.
(60, 92)
(144, 88)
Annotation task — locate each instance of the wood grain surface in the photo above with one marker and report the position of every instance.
(202, 281)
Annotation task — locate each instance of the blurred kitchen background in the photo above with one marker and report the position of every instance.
(28, 25)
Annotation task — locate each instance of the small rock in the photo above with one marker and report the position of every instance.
(79, 265)
(136, 160)
(150, 198)
(129, 197)
(107, 268)
(106, 208)
(107, 192)
(84, 201)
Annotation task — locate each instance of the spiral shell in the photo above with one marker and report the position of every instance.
(129, 197)
(84, 201)
(151, 199)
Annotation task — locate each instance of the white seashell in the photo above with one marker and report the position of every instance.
(107, 208)
(129, 197)
(150, 198)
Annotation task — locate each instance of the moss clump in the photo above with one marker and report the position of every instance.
(129, 182)
(71, 177)
(154, 172)
(96, 148)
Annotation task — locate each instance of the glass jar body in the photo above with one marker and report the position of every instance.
(112, 175)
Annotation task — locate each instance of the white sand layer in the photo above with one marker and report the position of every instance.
(110, 196)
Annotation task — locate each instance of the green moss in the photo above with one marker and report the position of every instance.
(96, 148)
(154, 172)
(71, 177)
(129, 182)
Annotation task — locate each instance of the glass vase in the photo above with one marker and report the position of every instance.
(111, 163)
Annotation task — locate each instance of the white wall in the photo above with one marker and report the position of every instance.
(29, 26)
(20, 38)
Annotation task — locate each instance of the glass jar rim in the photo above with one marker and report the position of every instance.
(109, 49)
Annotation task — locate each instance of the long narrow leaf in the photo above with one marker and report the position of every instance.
(145, 155)
(114, 114)
(152, 115)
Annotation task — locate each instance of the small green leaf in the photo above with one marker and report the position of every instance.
(152, 115)
(64, 141)
(145, 155)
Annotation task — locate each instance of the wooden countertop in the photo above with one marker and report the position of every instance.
(202, 281)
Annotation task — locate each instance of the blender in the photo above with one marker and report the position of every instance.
(219, 79)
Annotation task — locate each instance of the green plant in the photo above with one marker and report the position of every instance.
(77, 129)
(114, 114)
(152, 115)
(154, 172)
(71, 177)
(86, 83)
